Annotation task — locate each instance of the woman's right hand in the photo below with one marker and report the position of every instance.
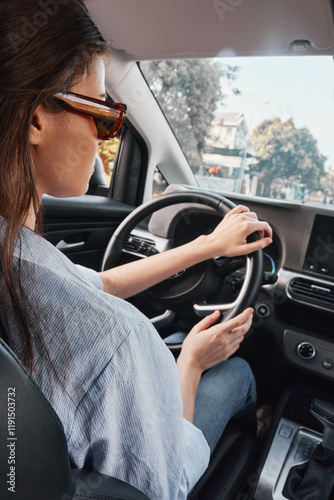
(207, 344)
(229, 238)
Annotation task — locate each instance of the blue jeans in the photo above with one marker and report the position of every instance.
(227, 390)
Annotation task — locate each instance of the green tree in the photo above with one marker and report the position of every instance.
(189, 92)
(284, 151)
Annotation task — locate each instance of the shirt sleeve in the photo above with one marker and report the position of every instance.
(90, 276)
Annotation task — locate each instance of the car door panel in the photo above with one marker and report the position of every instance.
(81, 227)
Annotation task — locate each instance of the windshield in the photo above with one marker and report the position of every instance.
(258, 126)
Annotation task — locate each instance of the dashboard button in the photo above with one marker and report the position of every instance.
(327, 363)
(262, 310)
(306, 350)
(285, 431)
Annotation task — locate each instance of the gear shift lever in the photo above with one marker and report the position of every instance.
(314, 479)
(324, 412)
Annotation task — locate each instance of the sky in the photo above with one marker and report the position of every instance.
(299, 87)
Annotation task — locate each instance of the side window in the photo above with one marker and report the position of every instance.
(121, 167)
(159, 183)
(107, 151)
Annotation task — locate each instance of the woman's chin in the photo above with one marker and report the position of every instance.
(69, 193)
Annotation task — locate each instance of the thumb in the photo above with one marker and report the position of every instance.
(256, 245)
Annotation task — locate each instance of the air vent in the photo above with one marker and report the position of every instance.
(313, 292)
(143, 247)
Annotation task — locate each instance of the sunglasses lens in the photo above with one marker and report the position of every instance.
(107, 128)
(108, 118)
(103, 130)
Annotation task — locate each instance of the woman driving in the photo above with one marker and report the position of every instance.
(128, 410)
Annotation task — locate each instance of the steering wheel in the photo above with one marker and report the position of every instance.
(191, 284)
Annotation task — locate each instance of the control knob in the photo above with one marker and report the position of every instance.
(306, 350)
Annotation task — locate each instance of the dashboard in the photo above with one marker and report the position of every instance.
(296, 311)
(301, 302)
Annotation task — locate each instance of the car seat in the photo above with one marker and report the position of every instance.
(34, 461)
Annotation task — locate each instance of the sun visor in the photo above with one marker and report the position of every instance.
(148, 29)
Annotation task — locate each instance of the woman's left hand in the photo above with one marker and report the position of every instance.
(229, 238)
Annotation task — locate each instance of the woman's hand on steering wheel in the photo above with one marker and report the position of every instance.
(207, 343)
(229, 238)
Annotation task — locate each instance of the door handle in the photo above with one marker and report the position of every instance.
(66, 247)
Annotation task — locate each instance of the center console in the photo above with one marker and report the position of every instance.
(292, 445)
(299, 463)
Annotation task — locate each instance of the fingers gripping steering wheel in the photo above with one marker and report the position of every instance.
(166, 290)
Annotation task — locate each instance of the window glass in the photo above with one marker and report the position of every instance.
(159, 183)
(107, 152)
(258, 126)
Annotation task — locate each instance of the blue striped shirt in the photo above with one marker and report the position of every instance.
(115, 385)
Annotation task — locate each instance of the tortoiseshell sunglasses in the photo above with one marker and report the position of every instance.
(108, 117)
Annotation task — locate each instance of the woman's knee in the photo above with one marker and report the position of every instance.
(241, 366)
(238, 367)
(232, 378)
(243, 373)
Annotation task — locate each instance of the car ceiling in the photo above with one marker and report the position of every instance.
(160, 29)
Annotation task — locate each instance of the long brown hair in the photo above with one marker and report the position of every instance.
(45, 46)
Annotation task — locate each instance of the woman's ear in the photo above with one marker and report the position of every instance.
(35, 132)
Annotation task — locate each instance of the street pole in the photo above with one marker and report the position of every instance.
(244, 155)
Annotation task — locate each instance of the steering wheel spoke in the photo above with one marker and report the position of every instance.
(228, 309)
